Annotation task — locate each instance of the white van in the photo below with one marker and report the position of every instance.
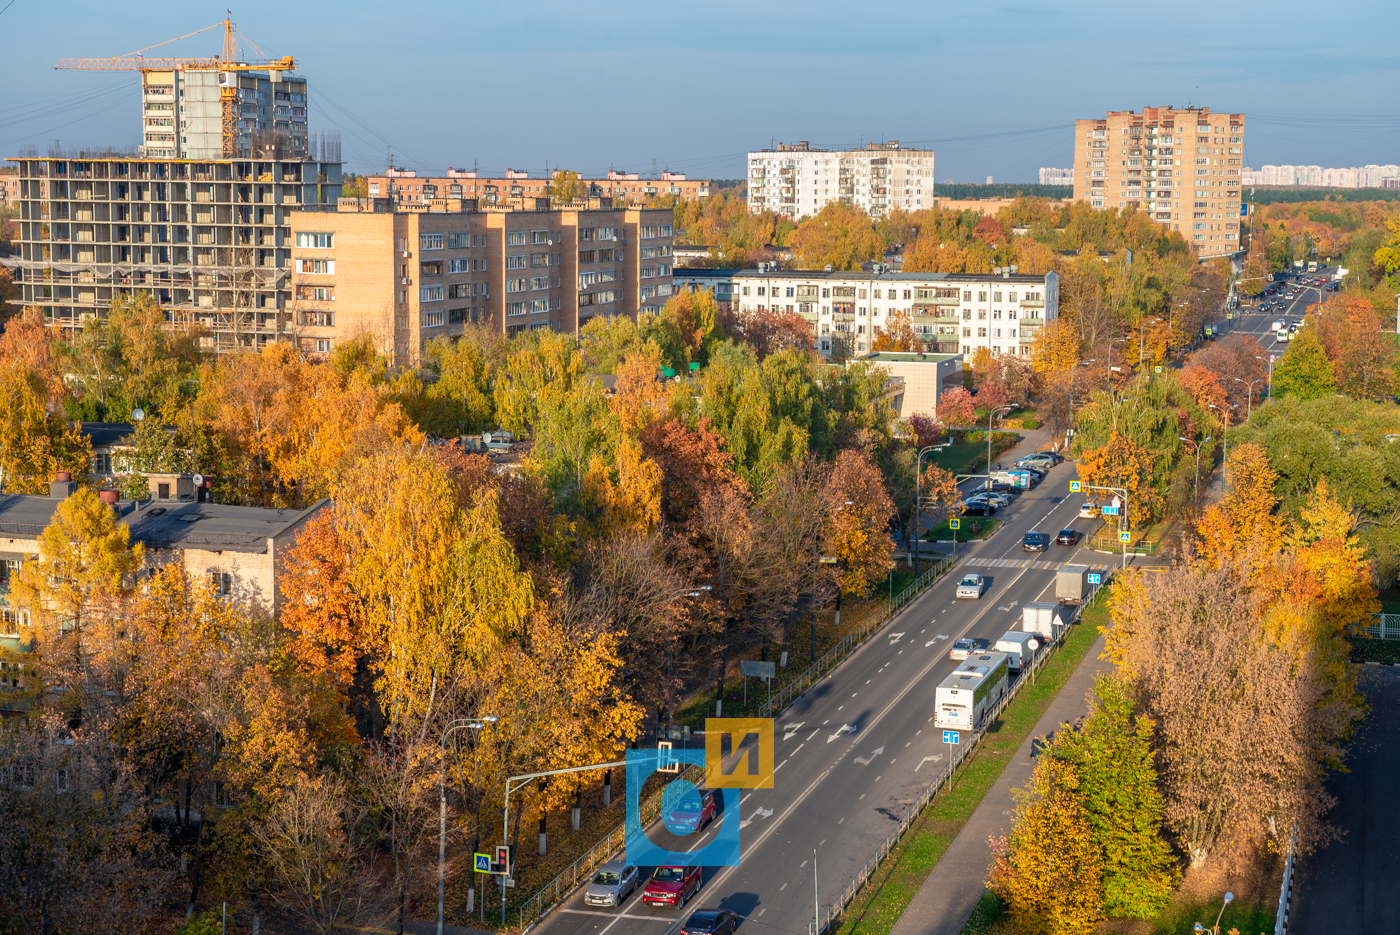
(1015, 644)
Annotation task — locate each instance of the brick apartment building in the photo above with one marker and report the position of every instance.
(406, 275)
(1180, 166)
(9, 185)
(405, 187)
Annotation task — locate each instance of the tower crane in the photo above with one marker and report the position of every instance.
(226, 64)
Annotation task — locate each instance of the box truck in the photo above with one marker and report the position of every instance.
(1041, 617)
(1071, 584)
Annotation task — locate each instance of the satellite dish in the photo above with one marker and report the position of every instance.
(198, 479)
(138, 414)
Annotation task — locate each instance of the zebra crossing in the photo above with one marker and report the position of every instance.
(1028, 562)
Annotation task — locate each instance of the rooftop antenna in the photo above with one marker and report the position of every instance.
(653, 167)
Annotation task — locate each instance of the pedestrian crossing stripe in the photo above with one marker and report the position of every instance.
(1024, 563)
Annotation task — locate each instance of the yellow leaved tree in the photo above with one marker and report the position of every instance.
(1243, 524)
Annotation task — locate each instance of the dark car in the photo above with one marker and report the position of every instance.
(710, 922)
(1067, 537)
(671, 886)
(980, 508)
(691, 813)
(1035, 542)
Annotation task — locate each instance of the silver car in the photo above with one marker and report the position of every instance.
(613, 883)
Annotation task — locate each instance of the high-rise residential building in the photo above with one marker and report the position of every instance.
(210, 240)
(405, 275)
(1369, 176)
(407, 188)
(1180, 166)
(797, 181)
(182, 114)
(1049, 176)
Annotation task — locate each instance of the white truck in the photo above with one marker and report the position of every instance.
(1041, 618)
(1071, 583)
(1020, 648)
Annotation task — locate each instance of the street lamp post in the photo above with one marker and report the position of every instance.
(473, 724)
(991, 414)
(918, 502)
(1225, 438)
(1271, 370)
(1249, 409)
(1082, 363)
(1215, 929)
(1196, 487)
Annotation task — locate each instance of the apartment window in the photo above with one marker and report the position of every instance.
(607, 275)
(648, 292)
(539, 259)
(319, 319)
(514, 308)
(981, 332)
(430, 293)
(515, 238)
(459, 241)
(455, 316)
(981, 296)
(1011, 297)
(463, 265)
(585, 233)
(587, 279)
(967, 332)
(650, 271)
(221, 582)
(515, 285)
(316, 241)
(430, 242)
(515, 262)
(459, 290)
(967, 314)
(323, 346)
(316, 267)
(430, 269)
(539, 237)
(539, 282)
(602, 298)
(538, 305)
(586, 256)
(433, 319)
(316, 293)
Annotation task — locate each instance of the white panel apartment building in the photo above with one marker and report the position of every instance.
(797, 181)
(954, 313)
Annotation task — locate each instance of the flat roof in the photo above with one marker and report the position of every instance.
(852, 274)
(897, 357)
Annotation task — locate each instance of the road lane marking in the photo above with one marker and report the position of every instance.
(813, 734)
(927, 759)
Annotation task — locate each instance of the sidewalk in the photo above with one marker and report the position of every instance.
(947, 898)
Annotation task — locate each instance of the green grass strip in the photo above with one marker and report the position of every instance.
(883, 900)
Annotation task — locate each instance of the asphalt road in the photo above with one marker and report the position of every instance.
(1255, 319)
(854, 750)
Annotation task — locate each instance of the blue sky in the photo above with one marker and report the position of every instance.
(994, 89)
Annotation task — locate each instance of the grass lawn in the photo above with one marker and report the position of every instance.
(880, 904)
(970, 457)
(973, 527)
(1180, 918)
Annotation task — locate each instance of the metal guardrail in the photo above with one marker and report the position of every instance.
(550, 895)
(848, 643)
(1386, 627)
(1285, 892)
(961, 752)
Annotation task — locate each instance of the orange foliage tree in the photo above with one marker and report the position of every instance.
(1124, 463)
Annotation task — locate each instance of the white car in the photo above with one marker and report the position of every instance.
(970, 587)
(1282, 335)
(1088, 511)
(1278, 325)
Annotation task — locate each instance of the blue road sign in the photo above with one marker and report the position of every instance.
(1124, 537)
(1109, 510)
(483, 862)
(951, 736)
(1074, 486)
(955, 524)
(1095, 578)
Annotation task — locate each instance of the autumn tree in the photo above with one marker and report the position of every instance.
(857, 530)
(1124, 463)
(1239, 366)
(940, 499)
(1243, 523)
(840, 236)
(957, 407)
(566, 186)
(1349, 331)
(1049, 871)
(1304, 370)
(686, 329)
(768, 331)
(899, 335)
(459, 401)
(1056, 347)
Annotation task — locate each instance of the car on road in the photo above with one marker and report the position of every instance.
(613, 883)
(1034, 542)
(1067, 537)
(1281, 336)
(671, 886)
(691, 813)
(964, 647)
(1278, 325)
(1044, 460)
(710, 922)
(1089, 511)
(970, 587)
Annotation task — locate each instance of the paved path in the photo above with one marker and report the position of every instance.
(956, 885)
(1350, 887)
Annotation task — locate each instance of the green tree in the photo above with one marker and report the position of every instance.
(1304, 370)
(459, 401)
(567, 186)
(1112, 757)
(840, 236)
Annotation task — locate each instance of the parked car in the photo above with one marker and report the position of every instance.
(1089, 511)
(1067, 537)
(964, 647)
(979, 508)
(671, 886)
(1000, 499)
(970, 587)
(691, 813)
(710, 922)
(613, 883)
(1034, 542)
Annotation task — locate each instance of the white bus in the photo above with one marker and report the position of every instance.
(973, 689)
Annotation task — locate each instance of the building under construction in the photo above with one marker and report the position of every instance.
(197, 217)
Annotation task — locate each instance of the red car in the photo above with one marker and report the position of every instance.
(671, 886)
(693, 812)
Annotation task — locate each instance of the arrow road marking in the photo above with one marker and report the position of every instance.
(941, 636)
(895, 638)
(927, 759)
(865, 760)
(792, 729)
(760, 813)
(845, 729)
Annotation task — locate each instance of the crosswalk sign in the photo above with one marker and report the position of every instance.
(482, 863)
(1124, 537)
(1074, 486)
(955, 524)
(1158, 368)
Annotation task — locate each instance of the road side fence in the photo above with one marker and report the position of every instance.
(1285, 892)
(553, 892)
(962, 751)
(1385, 627)
(851, 641)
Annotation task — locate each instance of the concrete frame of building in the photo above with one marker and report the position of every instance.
(406, 277)
(953, 313)
(210, 240)
(182, 114)
(1181, 166)
(797, 181)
